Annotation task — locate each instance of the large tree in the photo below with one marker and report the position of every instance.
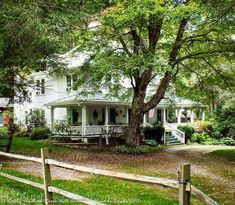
(32, 35)
(150, 42)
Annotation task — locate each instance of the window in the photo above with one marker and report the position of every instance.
(72, 82)
(40, 87)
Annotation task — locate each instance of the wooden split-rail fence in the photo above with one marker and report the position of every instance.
(183, 183)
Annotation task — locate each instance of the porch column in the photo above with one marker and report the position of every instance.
(179, 116)
(52, 115)
(164, 116)
(145, 118)
(83, 120)
(107, 119)
(192, 117)
(127, 116)
(203, 115)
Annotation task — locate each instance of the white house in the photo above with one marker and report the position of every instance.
(92, 114)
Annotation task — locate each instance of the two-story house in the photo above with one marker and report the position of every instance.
(60, 99)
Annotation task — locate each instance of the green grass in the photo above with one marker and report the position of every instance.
(103, 189)
(32, 147)
(228, 154)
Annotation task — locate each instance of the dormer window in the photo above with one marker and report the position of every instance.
(40, 87)
(72, 82)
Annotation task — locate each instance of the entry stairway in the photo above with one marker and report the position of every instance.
(171, 140)
(173, 136)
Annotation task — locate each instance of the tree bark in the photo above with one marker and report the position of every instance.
(136, 119)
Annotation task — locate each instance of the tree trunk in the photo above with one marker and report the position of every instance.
(137, 113)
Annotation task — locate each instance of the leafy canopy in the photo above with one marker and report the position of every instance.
(191, 39)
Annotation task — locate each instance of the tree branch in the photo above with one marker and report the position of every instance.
(178, 40)
(138, 41)
(154, 31)
(160, 92)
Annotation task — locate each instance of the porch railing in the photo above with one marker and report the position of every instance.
(96, 129)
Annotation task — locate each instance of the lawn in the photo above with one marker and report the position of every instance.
(228, 154)
(103, 189)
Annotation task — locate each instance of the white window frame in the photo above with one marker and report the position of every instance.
(70, 82)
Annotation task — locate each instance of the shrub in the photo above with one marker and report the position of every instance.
(228, 141)
(188, 130)
(202, 126)
(62, 126)
(39, 133)
(128, 150)
(152, 143)
(201, 137)
(225, 117)
(22, 133)
(3, 132)
(35, 119)
(154, 133)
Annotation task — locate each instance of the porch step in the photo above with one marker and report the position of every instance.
(171, 140)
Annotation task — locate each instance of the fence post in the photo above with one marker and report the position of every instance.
(184, 177)
(46, 177)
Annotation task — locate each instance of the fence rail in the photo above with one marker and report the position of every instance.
(183, 184)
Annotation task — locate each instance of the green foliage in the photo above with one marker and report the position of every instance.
(39, 133)
(22, 133)
(154, 133)
(152, 143)
(128, 150)
(189, 131)
(228, 141)
(200, 137)
(3, 132)
(62, 126)
(225, 117)
(35, 119)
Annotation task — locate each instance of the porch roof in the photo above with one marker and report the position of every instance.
(96, 99)
(179, 103)
(100, 99)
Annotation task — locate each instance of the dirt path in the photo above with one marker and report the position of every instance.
(35, 169)
(202, 164)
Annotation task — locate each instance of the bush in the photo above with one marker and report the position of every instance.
(35, 119)
(188, 130)
(3, 132)
(154, 133)
(201, 138)
(22, 133)
(39, 133)
(62, 126)
(202, 126)
(228, 141)
(128, 150)
(152, 143)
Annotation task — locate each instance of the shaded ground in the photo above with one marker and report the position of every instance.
(212, 174)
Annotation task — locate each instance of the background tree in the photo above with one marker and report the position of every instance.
(32, 35)
(152, 41)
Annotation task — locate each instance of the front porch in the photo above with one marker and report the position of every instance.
(93, 117)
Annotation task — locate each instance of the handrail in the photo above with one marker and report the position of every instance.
(181, 138)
